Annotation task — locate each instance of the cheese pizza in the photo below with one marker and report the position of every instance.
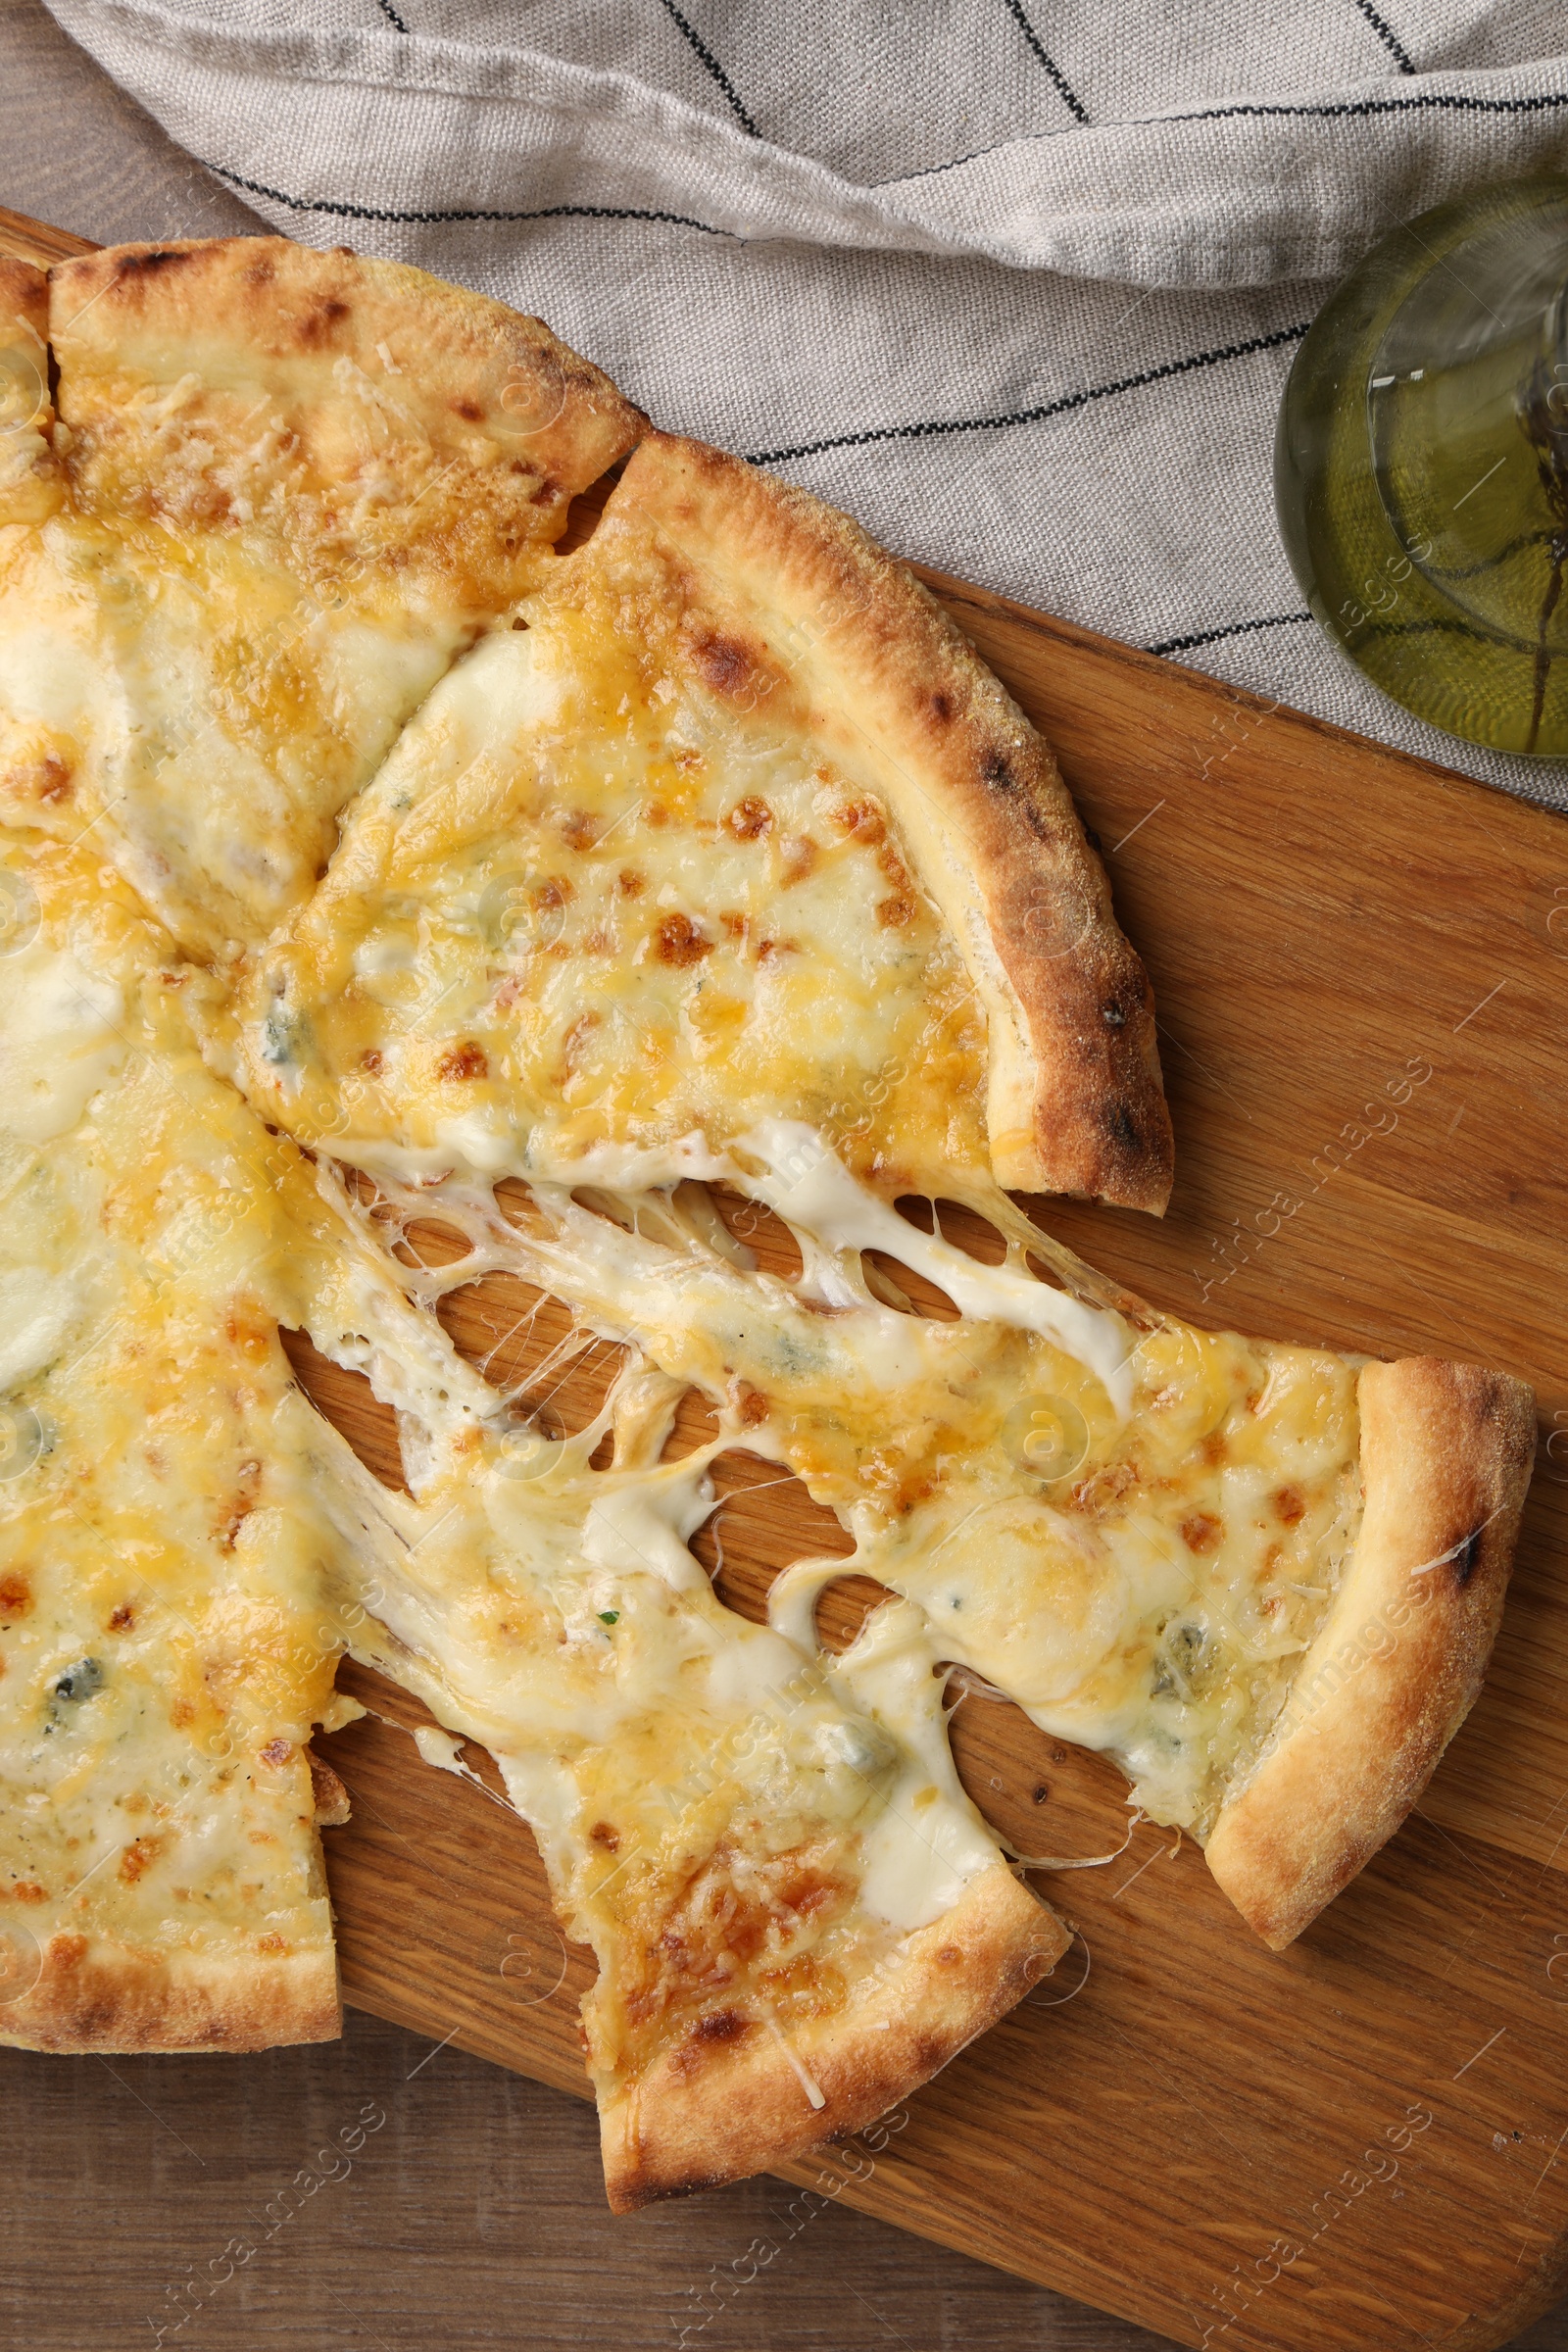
(379, 845)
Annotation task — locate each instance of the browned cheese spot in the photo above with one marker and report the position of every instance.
(681, 941)
(579, 830)
(138, 1858)
(467, 1060)
(861, 820)
(751, 819)
(1203, 1531)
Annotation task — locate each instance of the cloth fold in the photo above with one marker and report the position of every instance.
(1017, 285)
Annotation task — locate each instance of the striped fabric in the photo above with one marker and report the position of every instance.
(1015, 281)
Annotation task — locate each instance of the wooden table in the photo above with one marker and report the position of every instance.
(473, 2213)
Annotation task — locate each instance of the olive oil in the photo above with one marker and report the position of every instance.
(1421, 467)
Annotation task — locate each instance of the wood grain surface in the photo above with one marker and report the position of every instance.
(1359, 964)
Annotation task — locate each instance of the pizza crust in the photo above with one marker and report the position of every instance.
(29, 479)
(715, 2110)
(1445, 1458)
(1074, 1097)
(353, 402)
(100, 1995)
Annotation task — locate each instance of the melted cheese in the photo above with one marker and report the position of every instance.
(725, 1817)
(591, 922)
(1137, 1556)
(252, 558)
(163, 1647)
(208, 710)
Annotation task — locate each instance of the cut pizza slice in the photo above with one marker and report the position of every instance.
(729, 824)
(165, 1648)
(797, 1913)
(1266, 1579)
(283, 489)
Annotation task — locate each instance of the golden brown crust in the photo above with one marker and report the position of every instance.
(1446, 1455)
(1075, 1103)
(30, 478)
(402, 414)
(716, 2110)
(99, 1994)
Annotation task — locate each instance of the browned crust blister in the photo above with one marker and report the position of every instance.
(98, 1994)
(1075, 1102)
(705, 2115)
(1446, 1457)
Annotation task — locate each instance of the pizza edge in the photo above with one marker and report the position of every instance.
(29, 472)
(98, 1995)
(718, 2111)
(291, 302)
(1447, 1450)
(1075, 1101)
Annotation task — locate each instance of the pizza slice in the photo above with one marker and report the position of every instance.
(798, 1914)
(283, 489)
(1264, 1579)
(729, 824)
(165, 1649)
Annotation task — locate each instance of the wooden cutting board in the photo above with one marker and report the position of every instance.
(1360, 964)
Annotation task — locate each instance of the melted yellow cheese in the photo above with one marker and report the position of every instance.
(164, 1646)
(730, 1821)
(250, 565)
(593, 920)
(1134, 1536)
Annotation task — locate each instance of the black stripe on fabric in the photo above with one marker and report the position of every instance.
(370, 211)
(713, 67)
(1440, 101)
(1067, 96)
(1049, 408)
(1386, 34)
(1237, 628)
(1370, 106)
(391, 15)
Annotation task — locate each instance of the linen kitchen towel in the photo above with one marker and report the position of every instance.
(1018, 282)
